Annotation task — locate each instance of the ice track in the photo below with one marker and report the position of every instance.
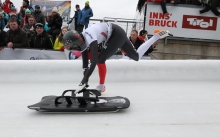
(168, 99)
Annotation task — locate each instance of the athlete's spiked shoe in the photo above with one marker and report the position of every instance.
(162, 33)
(100, 90)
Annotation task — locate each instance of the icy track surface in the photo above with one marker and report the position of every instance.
(168, 99)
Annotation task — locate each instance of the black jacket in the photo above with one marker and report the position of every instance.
(39, 17)
(2, 39)
(138, 43)
(212, 5)
(55, 22)
(18, 37)
(42, 41)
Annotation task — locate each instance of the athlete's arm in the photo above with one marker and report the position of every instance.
(94, 53)
(85, 59)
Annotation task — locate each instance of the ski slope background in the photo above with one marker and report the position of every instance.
(168, 99)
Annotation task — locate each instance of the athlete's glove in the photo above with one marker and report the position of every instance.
(81, 87)
(62, 48)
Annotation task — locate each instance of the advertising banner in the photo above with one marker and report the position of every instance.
(34, 54)
(31, 54)
(184, 21)
(46, 6)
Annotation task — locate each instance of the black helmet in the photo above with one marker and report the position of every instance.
(73, 41)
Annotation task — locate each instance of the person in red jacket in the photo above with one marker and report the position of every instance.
(7, 5)
(143, 35)
(26, 17)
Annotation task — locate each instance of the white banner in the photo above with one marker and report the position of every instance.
(31, 54)
(184, 21)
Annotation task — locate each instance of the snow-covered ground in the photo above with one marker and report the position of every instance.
(168, 99)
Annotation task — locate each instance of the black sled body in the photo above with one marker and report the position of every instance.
(81, 104)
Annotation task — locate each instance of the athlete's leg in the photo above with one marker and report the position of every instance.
(146, 45)
(117, 39)
(101, 70)
(130, 51)
(128, 47)
(102, 74)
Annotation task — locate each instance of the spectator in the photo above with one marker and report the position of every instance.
(16, 37)
(211, 5)
(38, 15)
(2, 22)
(14, 17)
(143, 35)
(27, 16)
(2, 39)
(25, 5)
(29, 28)
(55, 24)
(7, 5)
(40, 39)
(164, 8)
(141, 4)
(75, 16)
(46, 28)
(163, 4)
(137, 42)
(78, 16)
(86, 15)
(6, 17)
(14, 11)
(58, 45)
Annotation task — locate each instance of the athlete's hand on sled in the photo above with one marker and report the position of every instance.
(124, 53)
(80, 87)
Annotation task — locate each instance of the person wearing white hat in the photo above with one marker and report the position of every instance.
(55, 23)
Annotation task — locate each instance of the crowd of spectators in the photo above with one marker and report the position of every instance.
(28, 27)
